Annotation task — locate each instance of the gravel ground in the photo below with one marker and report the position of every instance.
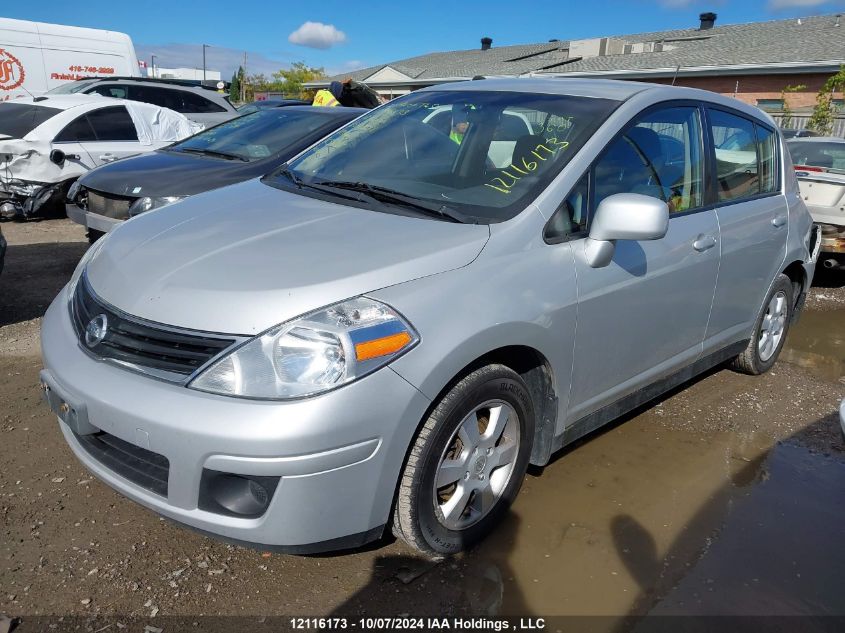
(71, 545)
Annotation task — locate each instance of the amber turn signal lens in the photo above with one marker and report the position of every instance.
(382, 346)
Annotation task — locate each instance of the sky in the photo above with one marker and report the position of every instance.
(345, 35)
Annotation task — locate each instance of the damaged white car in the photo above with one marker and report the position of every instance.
(46, 143)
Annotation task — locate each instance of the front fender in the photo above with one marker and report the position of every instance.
(524, 297)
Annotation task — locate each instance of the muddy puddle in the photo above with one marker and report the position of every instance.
(643, 520)
(817, 343)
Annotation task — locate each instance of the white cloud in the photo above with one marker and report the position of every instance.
(317, 35)
(797, 4)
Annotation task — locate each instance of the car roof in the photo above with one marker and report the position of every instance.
(614, 89)
(599, 88)
(66, 102)
(816, 139)
(153, 81)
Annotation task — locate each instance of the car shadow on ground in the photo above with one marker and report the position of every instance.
(33, 275)
(421, 587)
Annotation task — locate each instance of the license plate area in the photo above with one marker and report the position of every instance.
(70, 411)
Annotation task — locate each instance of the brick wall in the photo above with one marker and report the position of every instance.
(750, 88)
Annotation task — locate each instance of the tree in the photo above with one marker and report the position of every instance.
(786, 117)
(255, 83)
(290, 81)
(235, 86)
(825, 110)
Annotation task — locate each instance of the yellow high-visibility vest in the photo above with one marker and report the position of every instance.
(325, 98)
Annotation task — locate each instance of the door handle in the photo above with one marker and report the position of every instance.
(779, 220)
(107, 158)
(704, 242)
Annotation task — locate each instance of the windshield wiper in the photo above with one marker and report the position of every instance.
(401, 199)
(300, 184)
(213, 152)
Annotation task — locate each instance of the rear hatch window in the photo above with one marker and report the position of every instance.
(19, 119)
(825, 156)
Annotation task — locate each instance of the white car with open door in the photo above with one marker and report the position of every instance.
(46, 143)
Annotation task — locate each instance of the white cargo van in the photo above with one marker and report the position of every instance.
(35, 56)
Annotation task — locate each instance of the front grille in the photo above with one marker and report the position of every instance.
(140, 466)
(109, 205)
(171, 353)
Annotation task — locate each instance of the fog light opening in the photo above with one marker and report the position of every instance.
(236, 495)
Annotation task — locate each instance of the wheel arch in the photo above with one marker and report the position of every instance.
(797, 273)
(524, 358)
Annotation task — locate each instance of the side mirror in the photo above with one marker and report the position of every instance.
(57, 156)
(624, 216)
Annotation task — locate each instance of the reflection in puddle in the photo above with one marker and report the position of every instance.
(643, 519)
(817, 343)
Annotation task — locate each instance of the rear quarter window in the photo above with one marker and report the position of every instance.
(19, 119)
(161, 97)
(194, 103)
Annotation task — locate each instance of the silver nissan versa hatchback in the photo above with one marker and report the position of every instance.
(384, 333)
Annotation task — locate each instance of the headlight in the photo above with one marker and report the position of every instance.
(142, 205)
(80, 267)
(313, 353)
(73, 191)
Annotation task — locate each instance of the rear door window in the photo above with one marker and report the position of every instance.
(113, 124)
(735, 144)
(77, 131)
(19, 119)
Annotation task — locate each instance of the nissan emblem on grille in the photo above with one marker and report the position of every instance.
(96, 330)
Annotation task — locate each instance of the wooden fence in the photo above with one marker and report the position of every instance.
(799, 122)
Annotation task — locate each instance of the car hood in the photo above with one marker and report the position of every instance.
(242, 259)
(164, 173)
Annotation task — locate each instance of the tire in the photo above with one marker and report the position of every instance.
(772, 322)
(488, 467)
(93, 235)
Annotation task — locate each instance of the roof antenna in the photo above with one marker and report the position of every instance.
(675, 76)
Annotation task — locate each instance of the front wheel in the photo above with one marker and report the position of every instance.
(467, 463)
(770, 330)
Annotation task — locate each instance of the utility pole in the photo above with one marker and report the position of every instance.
(204, 46)
(243, 81)
(153, 64)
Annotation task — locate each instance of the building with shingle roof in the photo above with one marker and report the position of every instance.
(753, 62)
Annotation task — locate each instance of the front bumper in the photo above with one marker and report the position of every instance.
(337, 456)
(91, 220)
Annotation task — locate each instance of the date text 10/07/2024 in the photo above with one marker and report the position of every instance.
(406, 623)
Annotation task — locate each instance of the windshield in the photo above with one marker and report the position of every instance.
(19, 119)
(255, 136)
(69, 88)
(816, 154)
(482, 154)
